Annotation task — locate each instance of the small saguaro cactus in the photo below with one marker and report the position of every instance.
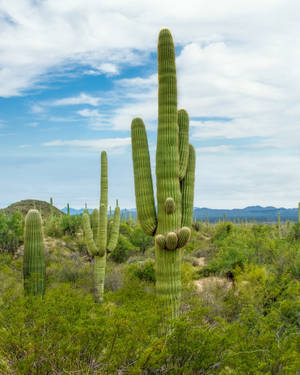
(68, 209)
(175, 173)
(51, 208)
(96, 233)
(34, 269)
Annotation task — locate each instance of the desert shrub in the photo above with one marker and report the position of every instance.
(70, 224)
(294, 234)
(222, 230)
(81, 245)
(125, 229)
(53, 228)
(114, 278)
(141, 240)
(11, 232)
(143, 270)
(67, 332)
(123, 250)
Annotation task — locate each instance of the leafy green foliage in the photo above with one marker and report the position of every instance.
(249, 327)
(11, 232)
(123, 250)
(141, 240)
(71, 224)
(143, 270)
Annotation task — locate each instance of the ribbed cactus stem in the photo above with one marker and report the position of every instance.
(99, 277)
(34, 269)
(175, 169)
(142, 178)
(95, 224)
(114, 230)
(187, 187)
(68, 209)
(88, 234)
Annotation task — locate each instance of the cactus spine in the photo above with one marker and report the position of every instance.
(175, 170)
(34, 269)
(96, 233)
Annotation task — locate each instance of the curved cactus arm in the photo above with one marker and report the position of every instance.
(187, 188)
(88, 234)
(95, 224)
(142, 178)
(183, 123)
(114, 230)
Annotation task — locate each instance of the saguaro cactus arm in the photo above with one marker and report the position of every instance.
(183, 123)
(95, 224)
(88, 233)
(142, 178)
(187, 187)
(114, 232)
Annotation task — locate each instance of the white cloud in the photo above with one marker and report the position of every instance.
(41, 37)
(77, 100)
(89, 113)
(33, 124)
(214, 149)
(237, 60)
(104, 143)
(238, 179)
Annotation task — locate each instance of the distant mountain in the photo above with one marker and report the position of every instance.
(126, 212)
(251, 213)
(25, 205)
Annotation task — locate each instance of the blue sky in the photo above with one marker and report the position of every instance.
(75, 73)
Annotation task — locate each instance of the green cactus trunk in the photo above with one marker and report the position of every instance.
(34, 269)
(99, 277)
(168, 263)
(68, 209)
(175, 169)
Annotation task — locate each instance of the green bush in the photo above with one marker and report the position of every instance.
(141, 240)
(123, 250)
(143, 270)
(11, 232)
(70, 224)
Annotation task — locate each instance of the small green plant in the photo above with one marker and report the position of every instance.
(11, 232)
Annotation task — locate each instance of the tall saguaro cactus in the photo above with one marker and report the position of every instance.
(175, 174)
(96, 233)
(34, 269)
